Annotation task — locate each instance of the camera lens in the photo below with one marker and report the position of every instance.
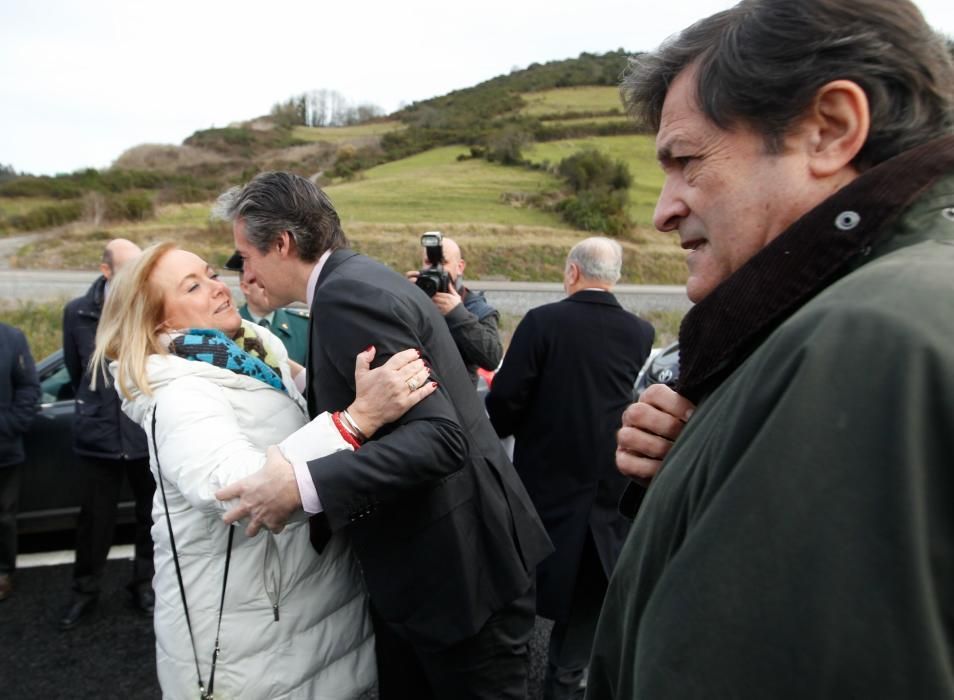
(427, 282)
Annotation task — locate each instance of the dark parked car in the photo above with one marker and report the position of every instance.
(51, 486)
(661, 367)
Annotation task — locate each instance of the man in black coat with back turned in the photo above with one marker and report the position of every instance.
(565, 381)
(110, 447)
(445, 532)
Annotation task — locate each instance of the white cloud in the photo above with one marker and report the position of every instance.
(82, 81)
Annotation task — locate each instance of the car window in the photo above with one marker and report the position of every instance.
(56, 386)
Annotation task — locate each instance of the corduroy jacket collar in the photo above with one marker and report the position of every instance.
(835, 237)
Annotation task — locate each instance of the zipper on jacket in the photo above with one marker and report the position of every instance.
(272, 582)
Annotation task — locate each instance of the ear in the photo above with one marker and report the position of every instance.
(285, 245)
(105, 271)
(572, 274)
(836, 127)
(460, 267)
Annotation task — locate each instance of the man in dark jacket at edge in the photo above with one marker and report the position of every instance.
(798, 540)
(109, 446)
(472, 321)
(19, 396)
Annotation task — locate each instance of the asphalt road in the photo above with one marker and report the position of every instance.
(507, 297)
(110, 655)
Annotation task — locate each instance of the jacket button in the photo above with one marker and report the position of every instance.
(847, 220)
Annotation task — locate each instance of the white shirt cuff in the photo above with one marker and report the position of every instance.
(318, 438)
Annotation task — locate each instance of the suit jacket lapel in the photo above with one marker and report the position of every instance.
(334, 260)
(319, 532)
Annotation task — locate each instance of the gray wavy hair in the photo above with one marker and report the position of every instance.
(598, 258)
(273, 202)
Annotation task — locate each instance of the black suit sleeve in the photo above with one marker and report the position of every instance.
(423, 446)
(514, 385)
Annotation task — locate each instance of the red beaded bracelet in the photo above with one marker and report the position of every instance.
(345, 433)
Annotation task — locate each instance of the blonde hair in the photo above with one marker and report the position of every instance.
(128, 329)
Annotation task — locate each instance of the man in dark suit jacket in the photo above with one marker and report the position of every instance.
(445, 532)
(565, 381)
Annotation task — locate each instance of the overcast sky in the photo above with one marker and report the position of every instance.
(82, 81)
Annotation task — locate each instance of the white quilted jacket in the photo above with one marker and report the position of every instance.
(212, 428)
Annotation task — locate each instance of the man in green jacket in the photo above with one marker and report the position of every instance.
(798, 540)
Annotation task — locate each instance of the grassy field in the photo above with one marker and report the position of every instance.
(638, 152)
(436, 187)
(570, 100)
(346, 134)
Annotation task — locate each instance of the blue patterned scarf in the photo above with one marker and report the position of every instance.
(216, 348)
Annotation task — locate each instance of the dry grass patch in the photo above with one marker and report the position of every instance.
(361, 134)
(166, 157)
(572, 100)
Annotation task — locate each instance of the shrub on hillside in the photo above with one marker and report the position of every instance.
(597, 210)
(59, 187)
(590, 169)
(599, 198)
(131, 206)
(134, 206)
(47, 216)
(505, 146)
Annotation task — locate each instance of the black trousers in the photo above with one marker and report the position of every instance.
(491, 665)
(571, 640)
(94, 532)
(9, 499)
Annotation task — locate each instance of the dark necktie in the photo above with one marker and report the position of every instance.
(318, 531)
(264, 323)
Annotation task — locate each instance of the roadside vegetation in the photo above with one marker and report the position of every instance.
(42, 324)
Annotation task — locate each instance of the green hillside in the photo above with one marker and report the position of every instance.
(435, 186)
(479, 163)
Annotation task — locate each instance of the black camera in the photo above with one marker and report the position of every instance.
(433, 278)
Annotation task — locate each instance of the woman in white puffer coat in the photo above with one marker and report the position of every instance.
(218, 391)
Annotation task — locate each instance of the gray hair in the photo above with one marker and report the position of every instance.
(761, 63)
(598, 258)
(273, 202)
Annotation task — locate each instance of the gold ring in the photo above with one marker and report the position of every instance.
(411, 384)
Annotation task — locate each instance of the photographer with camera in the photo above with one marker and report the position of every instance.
(470, 319)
